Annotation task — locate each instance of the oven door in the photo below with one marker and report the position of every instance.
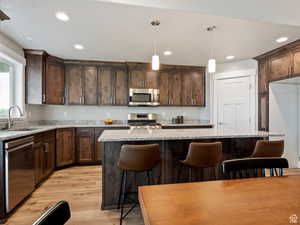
(142, 97)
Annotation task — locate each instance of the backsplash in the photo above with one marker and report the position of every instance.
(64, 113)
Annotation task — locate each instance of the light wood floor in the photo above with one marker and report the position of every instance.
(81, 187)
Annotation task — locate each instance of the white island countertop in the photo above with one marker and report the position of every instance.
(178, 134)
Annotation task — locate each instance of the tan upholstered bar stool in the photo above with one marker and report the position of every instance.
(266, 148)
(136, 159)
(202, 155)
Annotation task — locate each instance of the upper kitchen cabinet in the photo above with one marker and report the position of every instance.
(296, 61)
(45, 78)
(193, 88)
(142, 76)
(263, 81)
(170, 87)
(280, 66)
(81, 85)
(113, 84)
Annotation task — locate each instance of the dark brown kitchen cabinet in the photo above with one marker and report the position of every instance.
(45, 78)
(280, 66)
(113, 85)
(263, 109)
(82, 85)
(74, 84)
(175, 90)
(142, 76)
(263, 80)
(44, 153)
(65, 147)
(98, 145)
(85, 145)
(90, 80)
(170, 88)
(296, 61)
(193, 88)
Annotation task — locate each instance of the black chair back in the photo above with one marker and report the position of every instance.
(253, 167)
(58, 214)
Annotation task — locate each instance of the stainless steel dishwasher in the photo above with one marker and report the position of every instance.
(19, 171)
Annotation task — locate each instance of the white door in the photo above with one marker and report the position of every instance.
(233, 107)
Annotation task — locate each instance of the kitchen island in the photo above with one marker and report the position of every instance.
(173, 146)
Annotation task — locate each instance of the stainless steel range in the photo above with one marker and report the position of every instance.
(143, 120)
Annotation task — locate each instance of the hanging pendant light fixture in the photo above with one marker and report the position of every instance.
(211, 62)
(155, 57)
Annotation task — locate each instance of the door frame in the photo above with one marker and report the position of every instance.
(252, 74)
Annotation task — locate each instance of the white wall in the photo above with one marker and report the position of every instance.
(242, 65)
(284, 117)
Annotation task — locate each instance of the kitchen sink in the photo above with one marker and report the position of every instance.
(22, 129)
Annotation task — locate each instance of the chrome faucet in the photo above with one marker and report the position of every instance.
(10, 120)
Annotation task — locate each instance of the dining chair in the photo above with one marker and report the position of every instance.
(58, 214)
(252, 167)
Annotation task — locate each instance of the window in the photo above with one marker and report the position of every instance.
(6, 87)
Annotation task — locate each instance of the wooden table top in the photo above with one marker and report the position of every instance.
(265, 201)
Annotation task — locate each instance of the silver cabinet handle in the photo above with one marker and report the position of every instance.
(43, 98)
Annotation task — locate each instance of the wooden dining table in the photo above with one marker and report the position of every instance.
(263, 201)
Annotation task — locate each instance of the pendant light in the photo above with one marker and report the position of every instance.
(211, 62)
(155, 57)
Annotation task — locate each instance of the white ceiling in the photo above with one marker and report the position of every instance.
(275, 11)
(118, 32)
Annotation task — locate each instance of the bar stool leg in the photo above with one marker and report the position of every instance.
(120, 193)
(179, 173)
(271, 172)
(148, 177)
(280, 171)
(190, 174)
(123, 196)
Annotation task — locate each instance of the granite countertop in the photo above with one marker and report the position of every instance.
(176, 134)
(6, 135)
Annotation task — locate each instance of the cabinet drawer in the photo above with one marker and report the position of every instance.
(85, 131)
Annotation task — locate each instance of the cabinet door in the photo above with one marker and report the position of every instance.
(137, 78)
(49, 145)
(296, 62)
(175, 88)
(85, 145)
(39, 155)
(280, 66)
(98, 132)
(74, 84)
(152, 78)
(164, 88)
(263, 111)
(54, 83)
(65, 149)
(90, 80)
(263, 82)
(106, 87)
(187, 92)
(121, 87)
(198, 88)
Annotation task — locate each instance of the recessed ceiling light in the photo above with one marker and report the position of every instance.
(230, 57)
(282, 39)
(78, 46)
(62, 16)
(167, 52)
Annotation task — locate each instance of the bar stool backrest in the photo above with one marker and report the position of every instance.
(139, 157)
(58, 214)
(265, 148)
(204, 155)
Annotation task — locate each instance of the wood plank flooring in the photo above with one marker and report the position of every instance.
(81, 187)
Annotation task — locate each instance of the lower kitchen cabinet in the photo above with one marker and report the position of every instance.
(65, 147)
(85, 145)
(44, 154)
(98, 145)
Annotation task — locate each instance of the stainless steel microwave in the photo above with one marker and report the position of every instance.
(143, 97)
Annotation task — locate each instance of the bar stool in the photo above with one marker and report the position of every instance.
(266, 148)
(202, 155)
(136, 159)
